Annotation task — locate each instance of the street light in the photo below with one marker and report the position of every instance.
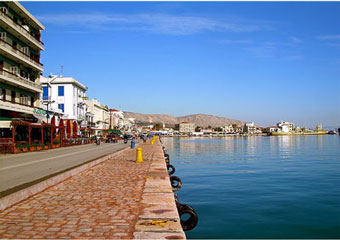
(48, 102)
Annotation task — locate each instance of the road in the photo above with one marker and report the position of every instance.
(18, 171)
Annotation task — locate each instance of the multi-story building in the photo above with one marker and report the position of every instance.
(66, 94)
(270, 129)
(20, 66)
(186, 127)
(116, 118)
(285, 126)
(101, 116)
(249, 128)
(228, 129)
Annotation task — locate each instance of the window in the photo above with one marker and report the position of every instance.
(14, 44)
(32, 101)
(13, 96)
(3, 94)
(45, 93)
(61, 106)
(25, 50)
(3, 36)
(14, 70)
(23, 99)
(4, 10)
(60, 90)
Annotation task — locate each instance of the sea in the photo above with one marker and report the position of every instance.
(267, 187)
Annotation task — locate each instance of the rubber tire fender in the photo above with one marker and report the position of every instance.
(173, 180)
(192, 221)
(172, 171)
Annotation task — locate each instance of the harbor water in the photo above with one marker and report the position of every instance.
(260, 187)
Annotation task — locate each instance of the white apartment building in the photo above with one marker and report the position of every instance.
(116, 118)
(20, 65)
(101, 115)
(66, 94)
(186, 127)
(228, 129)
(249, 128)
(285, 126)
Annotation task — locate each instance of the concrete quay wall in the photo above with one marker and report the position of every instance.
(158, 217)
(113, 197)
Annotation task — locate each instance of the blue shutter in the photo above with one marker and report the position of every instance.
(45, 93)
(60, 90)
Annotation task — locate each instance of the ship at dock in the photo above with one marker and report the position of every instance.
(287, 128)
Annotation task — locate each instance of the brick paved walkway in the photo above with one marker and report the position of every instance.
(101, 202)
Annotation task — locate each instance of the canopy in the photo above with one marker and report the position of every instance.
(75, 129)
(61, 127)
(53, 124)
(53, 121)
(68, 128)
(115, 131)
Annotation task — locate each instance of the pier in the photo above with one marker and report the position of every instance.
(111, 197)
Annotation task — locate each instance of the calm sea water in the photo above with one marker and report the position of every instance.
(260, 187)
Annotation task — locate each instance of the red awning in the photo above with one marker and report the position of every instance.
(53, 121)
(68, 128)
(75, 129)
(53, 124)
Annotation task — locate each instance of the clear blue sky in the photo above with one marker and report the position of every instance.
(262, 62)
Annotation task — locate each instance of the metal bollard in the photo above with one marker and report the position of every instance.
(139, 155)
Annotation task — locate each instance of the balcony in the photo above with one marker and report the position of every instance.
(14, 79)
(19, 55)
(8, 105)
(21, 30)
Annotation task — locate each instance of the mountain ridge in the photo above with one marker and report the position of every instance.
(202, 120)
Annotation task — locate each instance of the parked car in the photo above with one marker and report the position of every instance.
(112, 138)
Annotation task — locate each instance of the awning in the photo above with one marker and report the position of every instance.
(5, 124)
(115, 131)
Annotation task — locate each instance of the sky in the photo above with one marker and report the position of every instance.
(260, 62)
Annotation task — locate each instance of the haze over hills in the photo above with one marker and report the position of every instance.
(202, 120)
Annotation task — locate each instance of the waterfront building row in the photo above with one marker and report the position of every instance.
(248, 128)
(20, 65)
(28, 96)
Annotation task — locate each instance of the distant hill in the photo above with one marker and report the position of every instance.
(202, 120)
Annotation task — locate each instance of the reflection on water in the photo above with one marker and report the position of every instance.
(260, 187)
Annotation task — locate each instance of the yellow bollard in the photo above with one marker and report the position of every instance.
(153, 139)
(139, 155)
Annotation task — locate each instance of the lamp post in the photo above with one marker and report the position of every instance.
(47, 103)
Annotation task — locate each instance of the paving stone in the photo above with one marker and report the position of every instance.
(104, 201)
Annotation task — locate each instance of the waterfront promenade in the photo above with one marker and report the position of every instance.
(117, 198)
(18, 171)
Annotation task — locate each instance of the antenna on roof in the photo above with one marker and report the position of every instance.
(61, 70)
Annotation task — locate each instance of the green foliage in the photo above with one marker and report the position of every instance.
(24, 145)
(157, 126)
(218, 129)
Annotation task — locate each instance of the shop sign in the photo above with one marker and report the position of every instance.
(39, 111)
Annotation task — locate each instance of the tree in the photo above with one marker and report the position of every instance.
(157, 126)
(218, 129)
(198, 129)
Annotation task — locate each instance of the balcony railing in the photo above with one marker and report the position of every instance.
(5, 104)
(23, 30)
(21, 53)
(6, 73)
